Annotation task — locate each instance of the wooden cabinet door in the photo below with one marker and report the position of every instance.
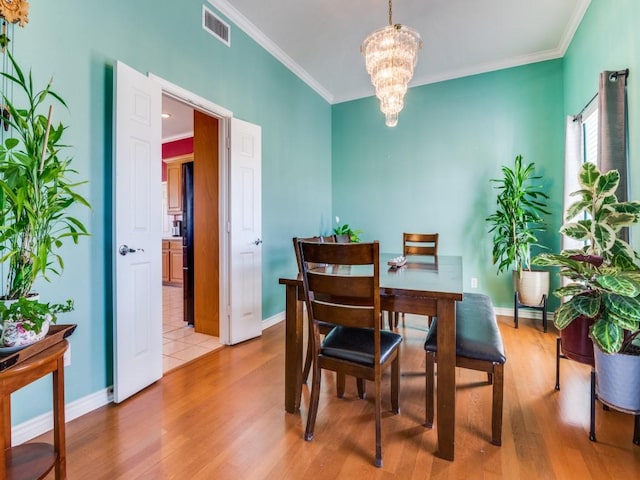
(165, 266)
(174, 188)
(174, 182)
(176, 265)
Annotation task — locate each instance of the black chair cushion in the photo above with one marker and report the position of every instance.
(477, 333)
(357, 344)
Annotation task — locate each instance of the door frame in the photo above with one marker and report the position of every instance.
(224, 118)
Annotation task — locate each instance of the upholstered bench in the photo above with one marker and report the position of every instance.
(478, 347)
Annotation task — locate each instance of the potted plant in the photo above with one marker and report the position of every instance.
(36, 193)
(517, 220)
(604, 285)
(346, 232)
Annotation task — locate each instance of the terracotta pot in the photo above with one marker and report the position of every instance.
(575, 341)
(617, 380)
(531, 285)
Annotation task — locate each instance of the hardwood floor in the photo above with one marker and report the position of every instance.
(222, 417)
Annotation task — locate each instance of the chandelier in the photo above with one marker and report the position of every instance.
(391, 54)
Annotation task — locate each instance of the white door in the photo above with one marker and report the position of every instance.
(137, 225)
(245, 231)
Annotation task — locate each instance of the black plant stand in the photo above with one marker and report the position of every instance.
(542, 307)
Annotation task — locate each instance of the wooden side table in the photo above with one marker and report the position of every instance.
(31, 461)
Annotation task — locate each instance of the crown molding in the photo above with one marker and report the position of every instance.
(242, 22)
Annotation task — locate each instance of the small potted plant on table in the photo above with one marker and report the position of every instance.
(36, 193)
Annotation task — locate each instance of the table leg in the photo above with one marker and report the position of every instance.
(293, 350)
(58, 420)
(446, 391)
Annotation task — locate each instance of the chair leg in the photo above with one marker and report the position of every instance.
(362, 389)
(307, 364)
(378, 403)
(403, 325)
(429, 384)
(313, 406)
(558, 363)
(636, 430)
(592, 430)
(395, 385)
(340, 384)
(497, 405)
(515, 310)
(544, 313)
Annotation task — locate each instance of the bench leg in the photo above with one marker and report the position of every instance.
(429, 384)
(497, 406)
(340, 384)
(362, 389)
(558, 363)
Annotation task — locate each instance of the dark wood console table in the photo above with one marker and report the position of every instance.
(32, 461)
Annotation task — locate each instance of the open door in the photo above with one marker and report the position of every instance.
(246, 231)
(137, 232)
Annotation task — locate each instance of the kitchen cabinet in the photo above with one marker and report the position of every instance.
(172, 262)
(174, 183)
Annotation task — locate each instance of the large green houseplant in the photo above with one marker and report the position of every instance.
(604, 274)
(36, 194)
(515, 224)
(603, 284)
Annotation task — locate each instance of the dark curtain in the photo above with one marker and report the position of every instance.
(612, 131)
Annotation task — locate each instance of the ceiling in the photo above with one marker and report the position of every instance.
(319, 40)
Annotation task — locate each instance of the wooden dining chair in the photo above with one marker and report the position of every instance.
(325, 327)
(343, 295)
(416, 244)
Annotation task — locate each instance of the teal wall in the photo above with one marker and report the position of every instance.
(431, 173)
(608, 39)
(78, 42)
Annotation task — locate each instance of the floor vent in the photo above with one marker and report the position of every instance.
(215, 26)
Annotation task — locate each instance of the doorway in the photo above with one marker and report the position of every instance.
(182, 342)
(137, 278)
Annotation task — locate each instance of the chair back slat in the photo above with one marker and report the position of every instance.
(355, 288)
(339, 253)
(346, 315)
(420, 244)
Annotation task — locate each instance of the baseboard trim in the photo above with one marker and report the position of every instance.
(43, 423)
(274, 320)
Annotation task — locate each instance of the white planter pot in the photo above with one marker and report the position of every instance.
(618, 380)
(531, 285)
(13, 334)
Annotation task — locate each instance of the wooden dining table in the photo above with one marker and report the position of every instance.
(425, 285)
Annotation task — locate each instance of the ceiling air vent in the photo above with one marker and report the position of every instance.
(215, 26)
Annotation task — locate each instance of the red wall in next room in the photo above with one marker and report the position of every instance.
(174, 149)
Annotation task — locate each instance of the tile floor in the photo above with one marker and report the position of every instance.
(181, 344)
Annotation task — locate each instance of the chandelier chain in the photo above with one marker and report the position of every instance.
(390, 17)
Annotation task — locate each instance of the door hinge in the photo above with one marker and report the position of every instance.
(228, 143)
